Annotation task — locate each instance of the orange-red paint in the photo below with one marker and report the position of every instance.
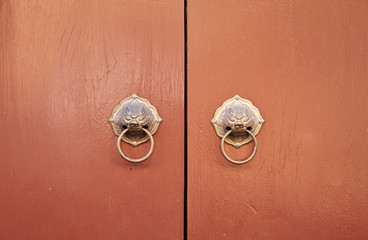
(304, 65)
(64, 65)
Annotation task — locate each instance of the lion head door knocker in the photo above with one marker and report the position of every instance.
(237, 122)
(135, 120)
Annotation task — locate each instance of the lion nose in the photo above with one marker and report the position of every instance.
(239, 124)
(133, 123)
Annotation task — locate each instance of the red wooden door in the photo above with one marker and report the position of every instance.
(304, 65)
(64, 65)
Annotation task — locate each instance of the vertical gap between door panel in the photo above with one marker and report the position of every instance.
(185, 121)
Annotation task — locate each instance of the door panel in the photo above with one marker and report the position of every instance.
(64, 66)
(304, 65)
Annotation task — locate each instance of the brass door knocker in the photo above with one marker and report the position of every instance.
(135, 120)
(237, 122)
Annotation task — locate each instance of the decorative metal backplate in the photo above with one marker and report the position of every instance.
(135, 113)
(237, 114)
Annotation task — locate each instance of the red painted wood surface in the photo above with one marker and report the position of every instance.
(304, 65)
(64, 66)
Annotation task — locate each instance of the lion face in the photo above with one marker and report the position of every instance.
(237, 116)
(134, 114)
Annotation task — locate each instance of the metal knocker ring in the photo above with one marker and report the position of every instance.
(134, 121)
(246, 160)
(139, 159)
(240, 117)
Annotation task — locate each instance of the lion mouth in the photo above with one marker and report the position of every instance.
(239, 124)
(133, 123)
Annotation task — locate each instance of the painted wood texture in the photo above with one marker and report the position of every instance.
(64, 66)
(304, 65)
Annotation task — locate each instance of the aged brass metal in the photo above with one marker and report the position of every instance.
(242, 161)
(135, 120)
(135, 113)
(237, 122)
(139, 159)
(237, 114)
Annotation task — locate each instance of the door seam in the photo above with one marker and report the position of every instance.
(185, 121)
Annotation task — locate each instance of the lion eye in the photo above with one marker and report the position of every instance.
(128, 118)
